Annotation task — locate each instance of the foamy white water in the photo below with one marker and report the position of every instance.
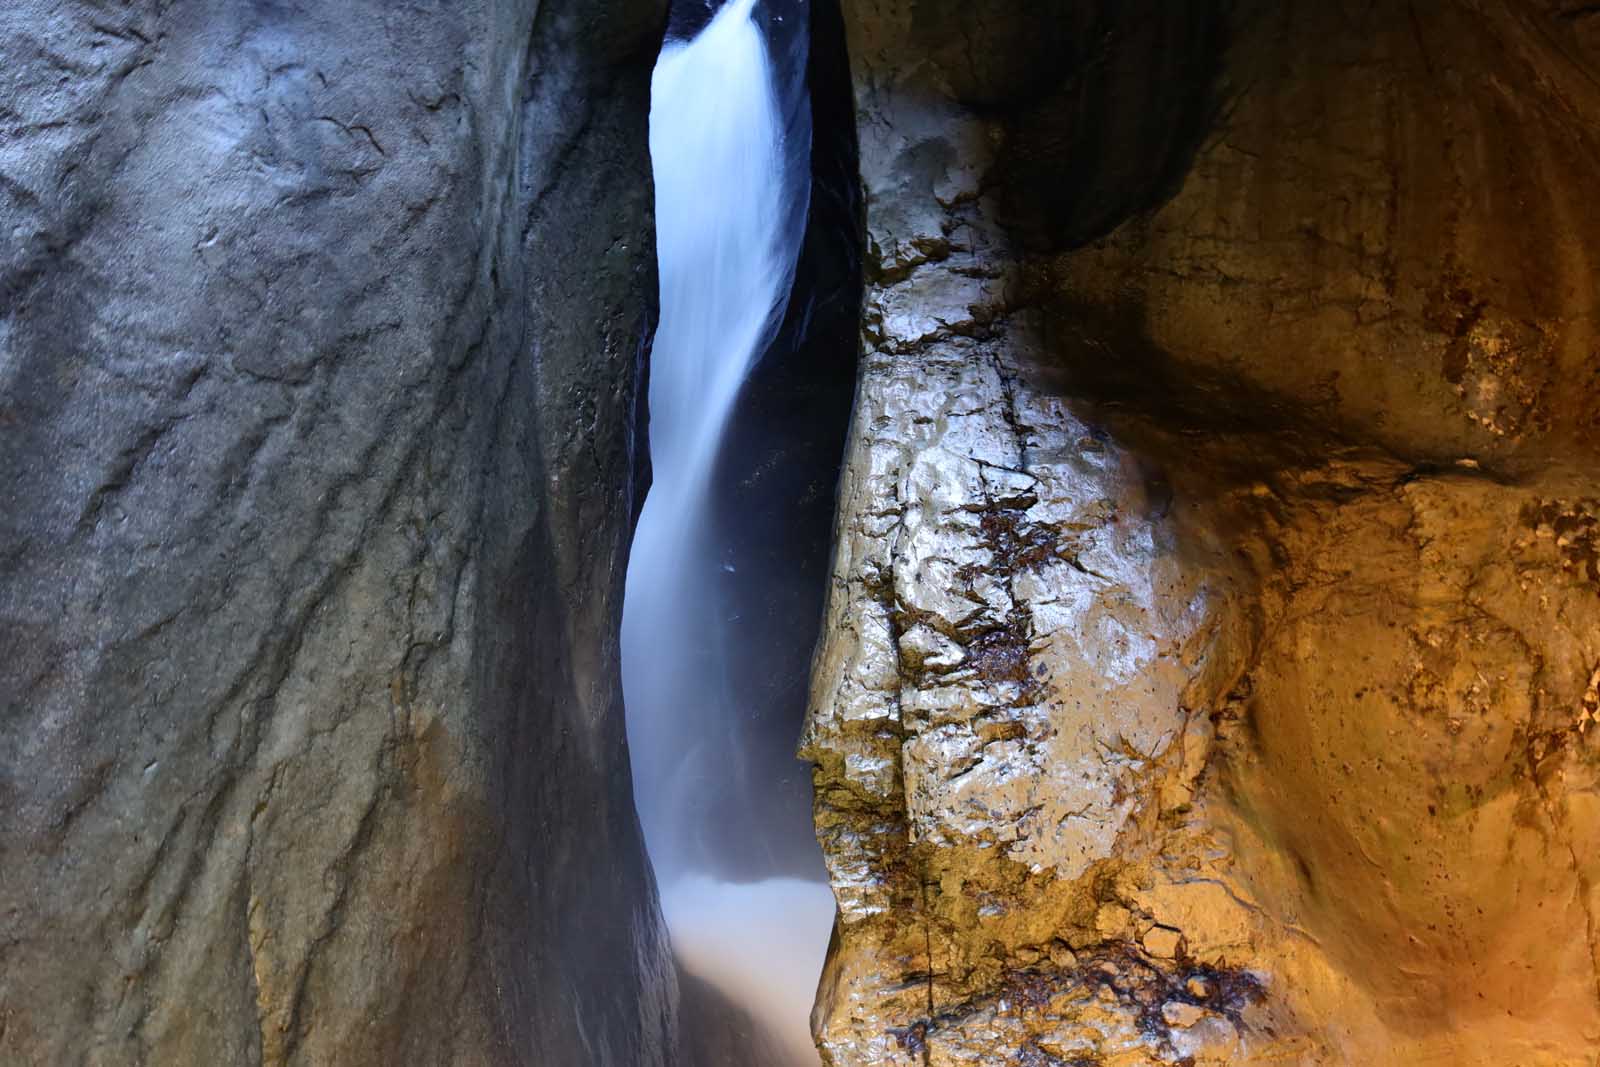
(730, 207)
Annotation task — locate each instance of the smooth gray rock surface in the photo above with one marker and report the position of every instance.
(320, 329)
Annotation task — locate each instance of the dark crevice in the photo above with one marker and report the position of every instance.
(1136, 93)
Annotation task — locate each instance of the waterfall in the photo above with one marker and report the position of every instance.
(730, 143)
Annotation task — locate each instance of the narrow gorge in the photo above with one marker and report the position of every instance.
(743, 892)
(1060, 534)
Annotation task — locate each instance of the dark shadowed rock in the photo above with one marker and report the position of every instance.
(319, 336)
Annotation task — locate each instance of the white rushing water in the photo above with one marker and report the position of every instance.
(731, 188)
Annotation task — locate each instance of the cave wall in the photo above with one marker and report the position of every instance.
(1211, 664)
(320, 331)
(1402, 194)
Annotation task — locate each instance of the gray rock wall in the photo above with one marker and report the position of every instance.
(320, 328)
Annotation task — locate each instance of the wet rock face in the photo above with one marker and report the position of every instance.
(1176, 705)
(1412, 227)
(319, 334)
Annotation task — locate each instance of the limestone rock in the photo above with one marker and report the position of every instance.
(319, 334)
(1175, 705)
(1385, 234)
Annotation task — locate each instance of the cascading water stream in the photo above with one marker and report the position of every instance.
(731, 183)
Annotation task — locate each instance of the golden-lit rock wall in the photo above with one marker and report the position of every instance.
(1211, 668)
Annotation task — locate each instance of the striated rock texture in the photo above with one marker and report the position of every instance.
(1211, 667)
(320, 329)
